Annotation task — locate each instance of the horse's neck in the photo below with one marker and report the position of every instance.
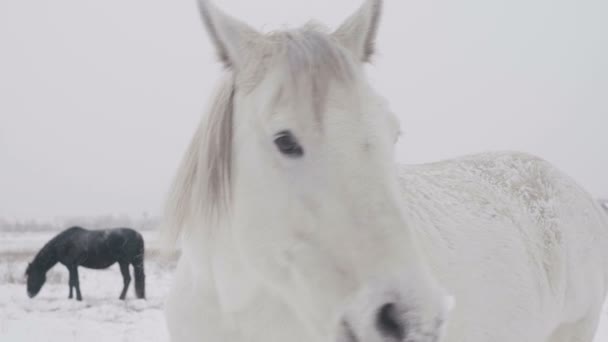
(46, 258)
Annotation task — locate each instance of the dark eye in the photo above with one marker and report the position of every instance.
(288, 144)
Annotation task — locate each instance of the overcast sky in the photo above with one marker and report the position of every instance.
(98, 99)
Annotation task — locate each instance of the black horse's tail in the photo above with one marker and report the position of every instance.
(138, 270)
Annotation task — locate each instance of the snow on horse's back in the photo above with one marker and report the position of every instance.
(296, 225)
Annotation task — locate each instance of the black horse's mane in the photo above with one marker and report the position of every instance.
(46, 258)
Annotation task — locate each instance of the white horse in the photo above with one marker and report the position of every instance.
(296, 224)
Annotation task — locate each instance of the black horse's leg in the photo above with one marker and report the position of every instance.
(126, 278)
(76, 281)
(71, 282)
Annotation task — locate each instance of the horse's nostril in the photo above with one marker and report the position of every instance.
(390, 322)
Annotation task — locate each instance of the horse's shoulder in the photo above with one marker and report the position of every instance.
(494, 191)
(514, 174)
(502, 163)
(507, 164)
(512, 185)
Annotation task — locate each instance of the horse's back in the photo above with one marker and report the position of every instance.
(110, 236)
(101, 248)
(530, 237)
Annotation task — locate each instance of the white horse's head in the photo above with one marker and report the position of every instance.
(296, 159)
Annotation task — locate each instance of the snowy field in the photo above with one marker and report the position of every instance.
(101, 316)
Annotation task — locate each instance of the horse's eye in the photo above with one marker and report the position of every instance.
(288, 144)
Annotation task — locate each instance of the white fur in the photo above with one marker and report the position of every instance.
(308, 249)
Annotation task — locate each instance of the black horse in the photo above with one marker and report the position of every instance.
(96, 249)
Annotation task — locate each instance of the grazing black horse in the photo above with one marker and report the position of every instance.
(96, 249)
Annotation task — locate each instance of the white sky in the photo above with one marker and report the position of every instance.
(98, 99)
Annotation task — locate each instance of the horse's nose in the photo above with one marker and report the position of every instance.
(391, 322)
(387, 322)
(395, 311)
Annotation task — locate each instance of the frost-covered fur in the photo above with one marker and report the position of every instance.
(522, 248)
(339, 244)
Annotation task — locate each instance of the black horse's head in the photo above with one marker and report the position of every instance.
(35, 280)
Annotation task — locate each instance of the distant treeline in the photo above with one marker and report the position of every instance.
(144, 222)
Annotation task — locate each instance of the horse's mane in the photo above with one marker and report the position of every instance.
(200, 194)
(45, 257)
(42, 260)
(201, 190)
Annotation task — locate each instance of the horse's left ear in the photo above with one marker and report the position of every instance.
(358, 33)
(233, 39)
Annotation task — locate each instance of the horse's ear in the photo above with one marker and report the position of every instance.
(358, 32)
(232, 38)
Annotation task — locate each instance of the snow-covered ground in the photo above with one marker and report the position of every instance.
(101, 316)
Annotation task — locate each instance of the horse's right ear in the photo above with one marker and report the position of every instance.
(358, 32)
(27, 270)
(233, 39)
